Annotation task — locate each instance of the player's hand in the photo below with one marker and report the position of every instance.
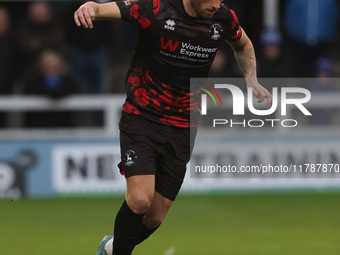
(260, 93)
(84, 16)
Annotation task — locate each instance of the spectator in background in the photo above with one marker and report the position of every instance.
(38, 33)
(322, 84)
(89, 56)
(324, 70)
(7, 66)
(51, 81)
(311, 25)
(17, 10)
(89, 52)
(272, 62)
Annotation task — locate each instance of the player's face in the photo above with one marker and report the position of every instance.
(206, 8)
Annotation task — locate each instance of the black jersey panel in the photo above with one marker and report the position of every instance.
(172, 48)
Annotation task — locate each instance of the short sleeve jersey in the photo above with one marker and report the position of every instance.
(172, 48)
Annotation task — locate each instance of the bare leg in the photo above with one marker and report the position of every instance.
(154, 216)
(157, 211)
(140, 192)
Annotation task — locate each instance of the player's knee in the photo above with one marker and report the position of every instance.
(139, 204)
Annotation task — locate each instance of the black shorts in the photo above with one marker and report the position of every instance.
(149, 148)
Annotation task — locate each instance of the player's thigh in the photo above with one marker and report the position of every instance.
(157, 212)
(172, 163)
(140, 192)
(138, 155)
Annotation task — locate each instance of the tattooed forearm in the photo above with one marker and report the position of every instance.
(246, 61)
(245, 56)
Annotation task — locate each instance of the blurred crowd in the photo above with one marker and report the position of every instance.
(43, 52)
(306, 37)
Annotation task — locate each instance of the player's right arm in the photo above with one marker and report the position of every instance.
(91, 11)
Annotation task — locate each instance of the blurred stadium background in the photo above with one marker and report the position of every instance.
(59, 184)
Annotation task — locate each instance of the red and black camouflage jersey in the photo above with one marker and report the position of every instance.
(172, 48)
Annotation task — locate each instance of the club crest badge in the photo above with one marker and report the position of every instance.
(130, 156)
(215, 31)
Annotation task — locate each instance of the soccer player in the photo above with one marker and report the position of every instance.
(178, 40)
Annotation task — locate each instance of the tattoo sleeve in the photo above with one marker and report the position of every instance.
(246, 61)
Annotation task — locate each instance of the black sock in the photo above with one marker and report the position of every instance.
(127, 230)
(146, 232)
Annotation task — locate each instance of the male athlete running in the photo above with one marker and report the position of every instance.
(178, 40)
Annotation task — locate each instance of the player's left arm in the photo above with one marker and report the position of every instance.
(90, 11)
(246, 60)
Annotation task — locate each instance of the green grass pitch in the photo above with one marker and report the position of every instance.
(248, 224)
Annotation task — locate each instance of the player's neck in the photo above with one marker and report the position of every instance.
(189, 8)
